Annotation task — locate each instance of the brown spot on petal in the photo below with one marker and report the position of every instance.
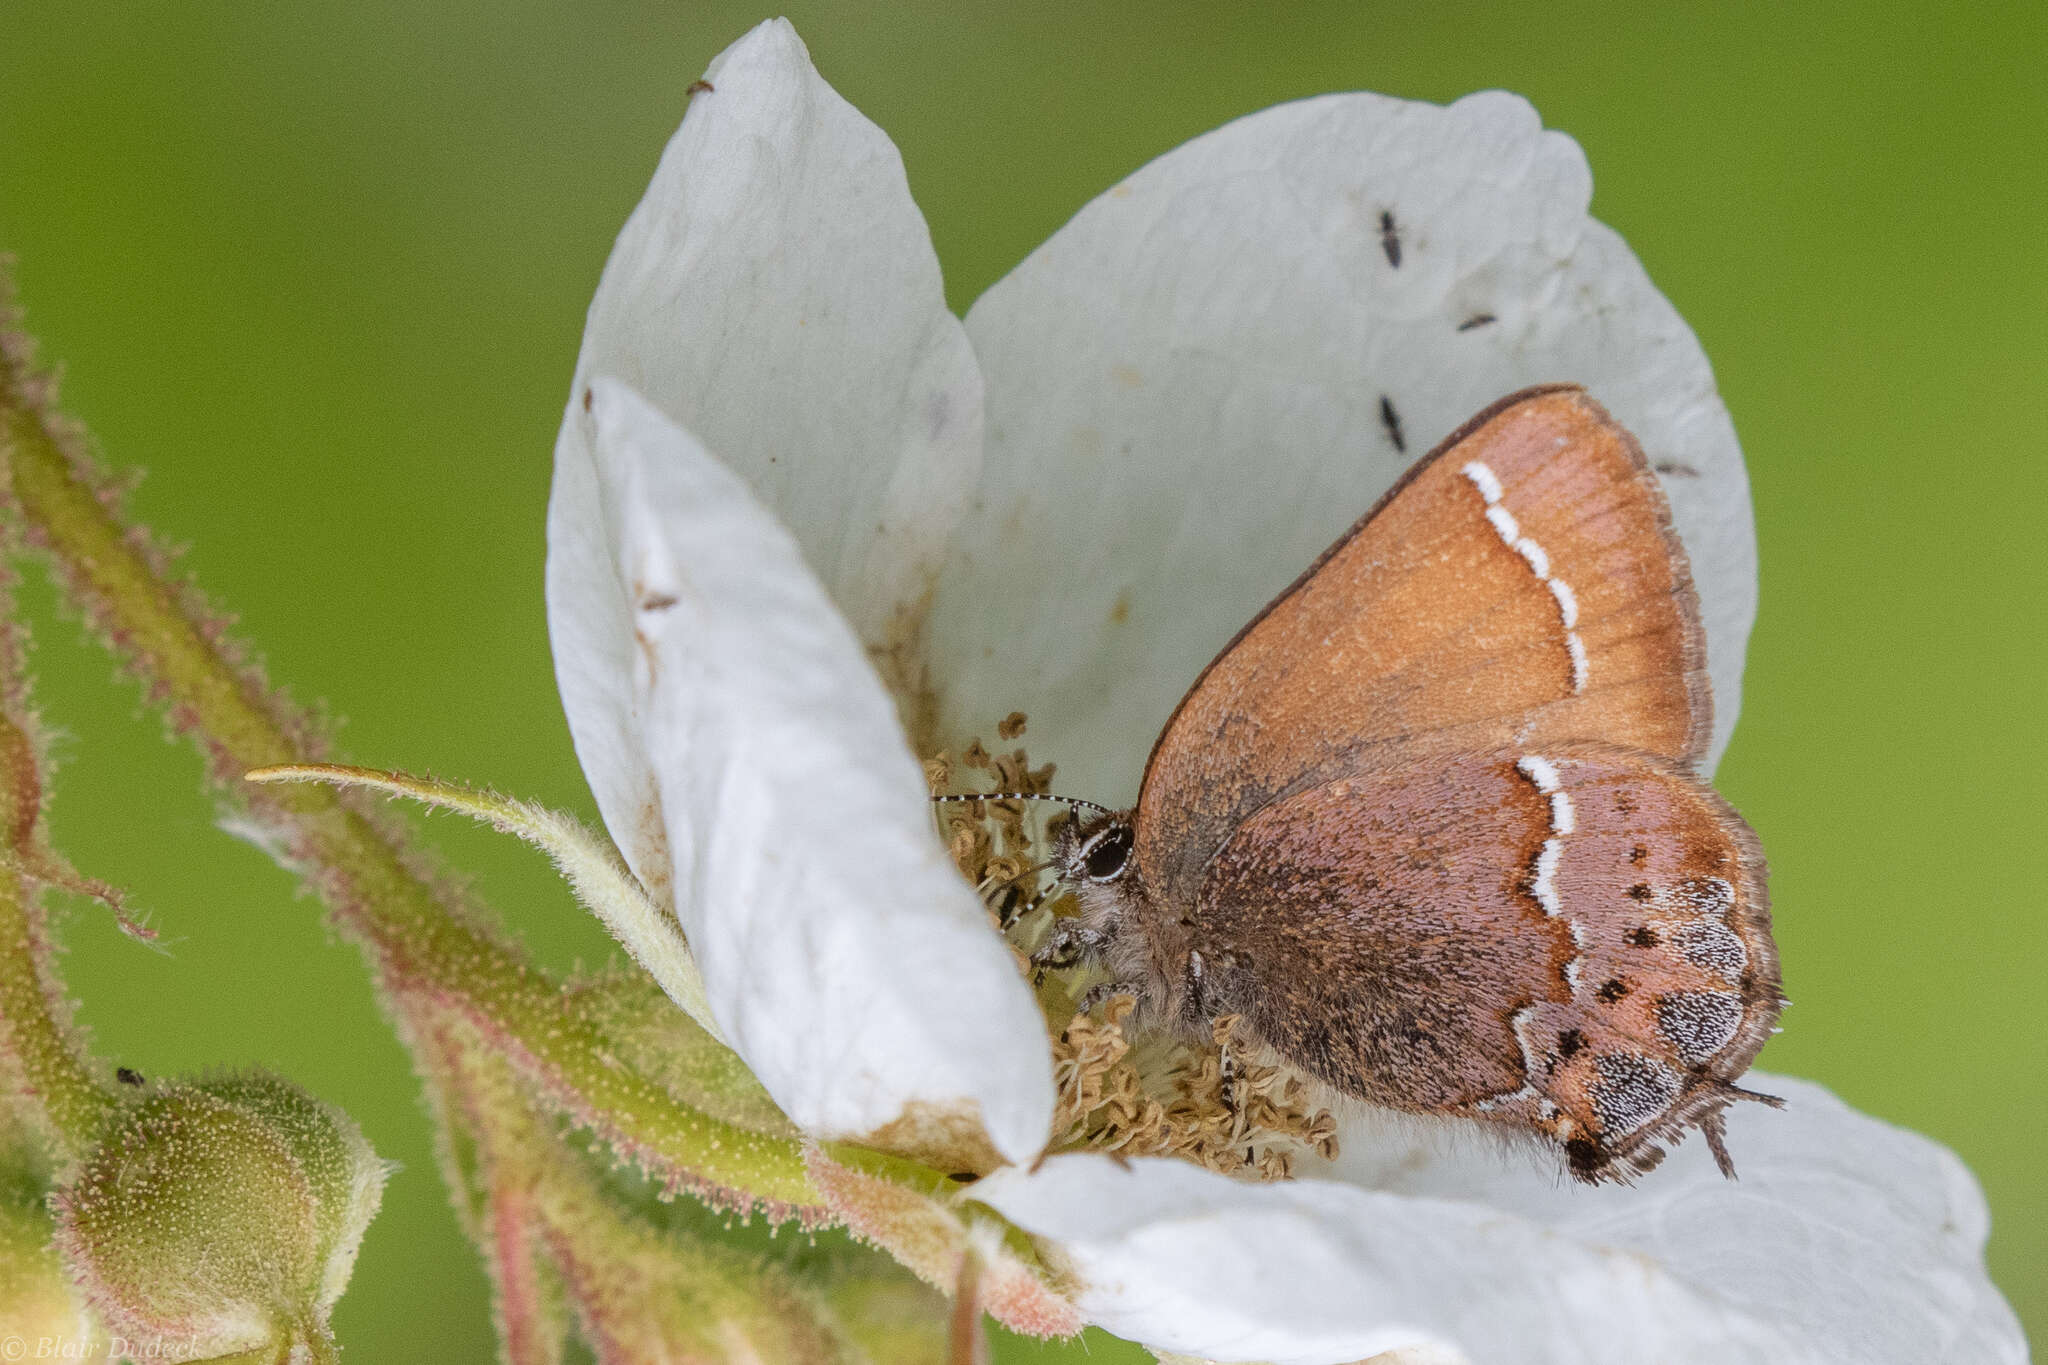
(899, 657)
(649, 852)
(948, 1137)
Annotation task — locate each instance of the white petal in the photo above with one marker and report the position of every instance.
(776, 293)
(1314, 1273)
(844, 957)
(1846, 1240)
(1185, 391)
(1855, 1236)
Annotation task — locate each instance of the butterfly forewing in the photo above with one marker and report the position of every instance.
(1522, 585)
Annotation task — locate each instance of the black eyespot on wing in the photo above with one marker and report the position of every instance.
(1588, 1161)
(1699, 1023)
(1631, 1091)
(1612, 990)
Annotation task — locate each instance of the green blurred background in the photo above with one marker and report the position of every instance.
(321, 269)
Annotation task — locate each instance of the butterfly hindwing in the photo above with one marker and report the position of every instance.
(1574, 940)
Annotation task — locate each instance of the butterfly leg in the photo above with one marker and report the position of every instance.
(1013, 904)
(1104, 992)
(1070, 941)
(1008, 905)
(1226, 1062)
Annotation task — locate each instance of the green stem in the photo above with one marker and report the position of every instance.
(55, 1077)
(279, 1354)
(58, 1082)
(419, 945)
(321, 1347)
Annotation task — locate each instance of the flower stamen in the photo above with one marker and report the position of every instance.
(1124, 1089)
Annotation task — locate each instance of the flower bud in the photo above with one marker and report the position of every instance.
(222, 1215)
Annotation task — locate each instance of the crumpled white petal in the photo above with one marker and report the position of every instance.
(1846, 1240)
(1189, 387)
(776, 293)
(844, 958)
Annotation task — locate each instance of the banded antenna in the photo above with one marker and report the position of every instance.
(1011, 914)
(1023, 796)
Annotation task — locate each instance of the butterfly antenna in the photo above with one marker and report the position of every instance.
(1009, 917)
(1023, 796)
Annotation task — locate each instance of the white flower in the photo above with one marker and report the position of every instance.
(798, 506)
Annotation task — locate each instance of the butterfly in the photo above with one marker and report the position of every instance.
(1432, 824)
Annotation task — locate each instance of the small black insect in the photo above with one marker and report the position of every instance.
(1390, 238)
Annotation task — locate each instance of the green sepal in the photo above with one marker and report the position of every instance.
(222, 1216)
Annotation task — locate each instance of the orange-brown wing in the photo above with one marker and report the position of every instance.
(1522, 586)
(1573, 940)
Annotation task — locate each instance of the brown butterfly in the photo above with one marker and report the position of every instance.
(1432, 823)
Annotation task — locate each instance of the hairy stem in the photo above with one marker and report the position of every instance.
(55, 1079)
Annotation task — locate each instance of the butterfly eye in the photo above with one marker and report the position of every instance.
(1107, 853)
